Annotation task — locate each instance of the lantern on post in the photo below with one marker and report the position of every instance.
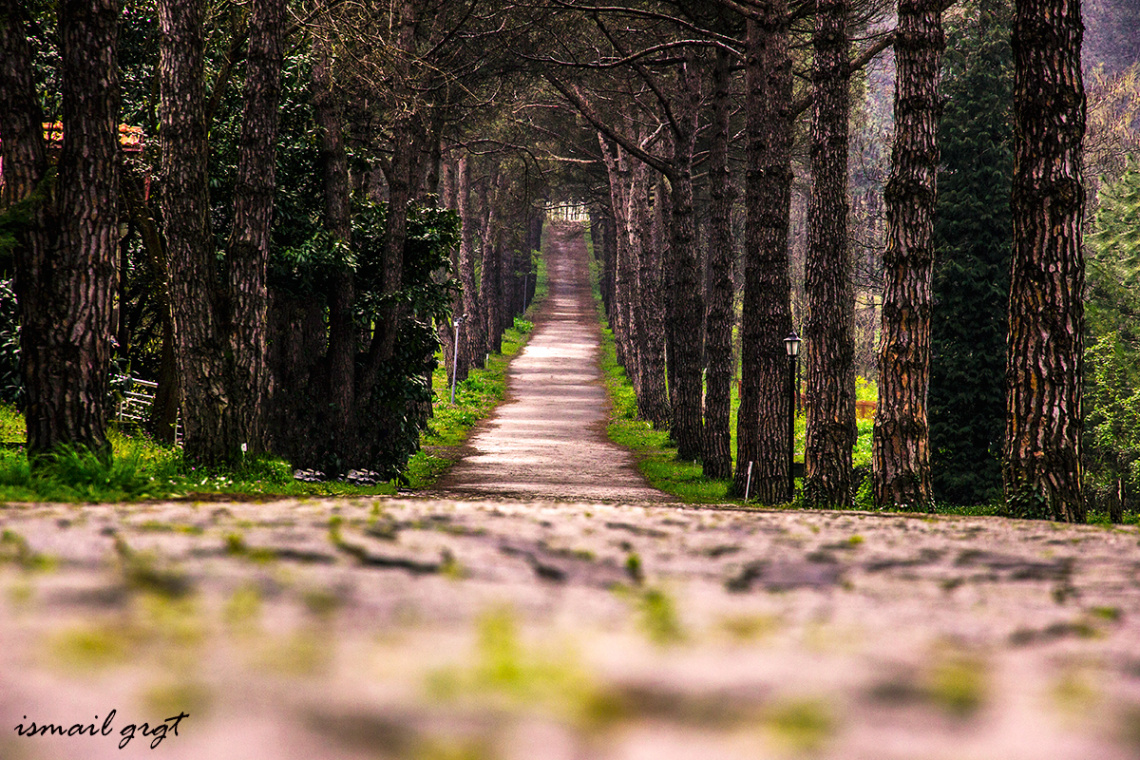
(792, 346)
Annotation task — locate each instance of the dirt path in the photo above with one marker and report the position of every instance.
(548, 440)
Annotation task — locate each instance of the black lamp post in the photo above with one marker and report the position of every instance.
(792, 345)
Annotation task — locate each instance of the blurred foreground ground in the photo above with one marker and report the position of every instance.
(498, 630)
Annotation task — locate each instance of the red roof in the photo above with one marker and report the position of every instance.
(130, 138)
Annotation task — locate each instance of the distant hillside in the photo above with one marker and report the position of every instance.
(1112, 34)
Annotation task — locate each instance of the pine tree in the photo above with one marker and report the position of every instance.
(1041, 453)
(901, 446)
(972, 238)
(1112, 383)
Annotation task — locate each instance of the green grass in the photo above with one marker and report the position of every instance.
(142, 469)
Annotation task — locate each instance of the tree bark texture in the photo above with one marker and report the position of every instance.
(652, 396)
(65, 374)
(184, 201)
(829, 332)
(1044, 369)
(247, 254)
(901, 443)
(340, 379)
(67, 242)
(609, 259)
(26, 183)
(473, 331)
(719, 319)
(618, 171)
(687, 308)
(762, 418)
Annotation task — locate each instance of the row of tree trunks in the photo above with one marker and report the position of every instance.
(66, 248)
(490, 282)
(762, 419)
(901, 443)
(1044, 371)
(652, 395)
(828, 285)
(618, 169)
(219, 324)
(509, 231)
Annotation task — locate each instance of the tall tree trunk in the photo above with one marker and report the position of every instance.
(66, 249)
(26, 183)
(489, 279)
(189, 242)
(901, 446)
(687, 308)
(652, 397)
(829, 332)
(400, 171)
(248, 247)
(82, 263)
(687, 316)
(340, 379)
(718, 311)
(762, 419)
(1044, 362)
(663, 241)
(618, 170)
(609, 261)
(473, 331)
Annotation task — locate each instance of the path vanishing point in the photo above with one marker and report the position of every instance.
(548, 440)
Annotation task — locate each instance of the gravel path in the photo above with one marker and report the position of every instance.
(549, 439)
(420, 629)
(541, 629)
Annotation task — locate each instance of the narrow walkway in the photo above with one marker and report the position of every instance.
(548, 439)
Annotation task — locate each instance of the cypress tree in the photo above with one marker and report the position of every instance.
(973, 238)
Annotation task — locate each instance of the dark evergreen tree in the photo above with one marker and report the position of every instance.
(973, 235)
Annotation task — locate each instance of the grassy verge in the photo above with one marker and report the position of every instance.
(475, 398)
(655, 453)
(142, 469)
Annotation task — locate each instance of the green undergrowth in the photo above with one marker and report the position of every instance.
(141, 469)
